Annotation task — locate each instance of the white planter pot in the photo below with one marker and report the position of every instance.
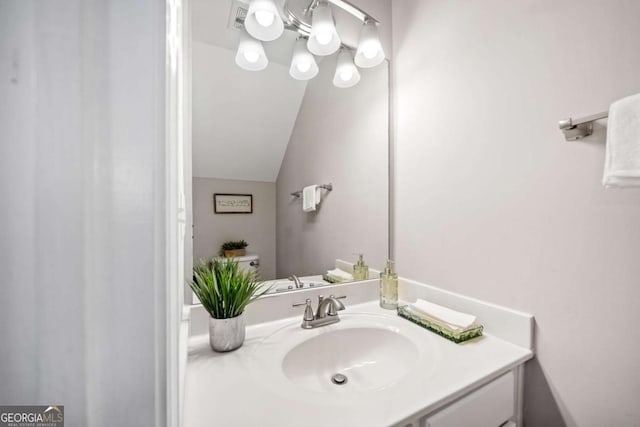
(226, 334)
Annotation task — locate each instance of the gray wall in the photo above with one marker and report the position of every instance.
(340, 137)
(82, 291)
(507, 210)
(211, 230)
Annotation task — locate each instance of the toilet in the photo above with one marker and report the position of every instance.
(248, 262)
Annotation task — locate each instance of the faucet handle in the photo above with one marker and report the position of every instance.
(308, 311)
(298, 304)
(338, 306)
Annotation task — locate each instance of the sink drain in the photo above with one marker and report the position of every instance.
(339, 379)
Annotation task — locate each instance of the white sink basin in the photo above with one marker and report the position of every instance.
(370, 358)
(376, 353)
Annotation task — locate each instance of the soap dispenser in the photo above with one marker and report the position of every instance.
(389, 288)
(360, 269)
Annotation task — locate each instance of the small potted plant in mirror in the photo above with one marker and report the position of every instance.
(224, 291)
(232, 248)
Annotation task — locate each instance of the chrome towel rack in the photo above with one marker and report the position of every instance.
(575, 129)
(328, 187)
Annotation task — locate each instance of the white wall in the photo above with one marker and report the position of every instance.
(211, 230)
(81, 224)
(242, 120)
(340, 137)
(492, 202)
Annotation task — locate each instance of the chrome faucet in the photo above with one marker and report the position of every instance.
(326, 314)
(297, 281)
(328, 306)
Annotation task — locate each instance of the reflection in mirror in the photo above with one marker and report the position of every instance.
(262, 138)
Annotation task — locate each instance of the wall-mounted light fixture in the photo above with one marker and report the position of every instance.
(266, 20)
(370, 52)
(250, 55)
(303, 64)
(263, 20)
(324, 39)
(347, 73)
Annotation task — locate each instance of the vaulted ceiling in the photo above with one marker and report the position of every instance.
(242, 120)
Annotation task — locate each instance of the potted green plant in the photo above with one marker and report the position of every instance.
(224, 291)
(234, 248)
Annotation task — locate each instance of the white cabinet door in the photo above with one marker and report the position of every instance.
(490, 406)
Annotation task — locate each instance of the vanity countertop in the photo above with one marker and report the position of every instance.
(232, 389)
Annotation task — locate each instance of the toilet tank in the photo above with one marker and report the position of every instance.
(247, 262)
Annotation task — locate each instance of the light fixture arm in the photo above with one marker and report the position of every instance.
(312, 5)
(345, 5)
(353, 10)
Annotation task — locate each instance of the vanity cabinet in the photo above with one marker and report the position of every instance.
(492, 405)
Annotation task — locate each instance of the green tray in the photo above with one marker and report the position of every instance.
(434, 326)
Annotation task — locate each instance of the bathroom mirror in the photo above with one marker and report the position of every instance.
(268, 135)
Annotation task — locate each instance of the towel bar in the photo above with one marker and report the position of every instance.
(327, 187)
(579, 128)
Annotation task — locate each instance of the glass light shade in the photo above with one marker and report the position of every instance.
(250, 55)
(370, 52)
(303, 64)
(263, 20)
(347, 74)
(324, 39)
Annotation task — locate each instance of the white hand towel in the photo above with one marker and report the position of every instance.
(622, 160)
(310, 198)
(340, 274)
(455, 320)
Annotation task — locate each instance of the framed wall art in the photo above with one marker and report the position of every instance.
(232, 203)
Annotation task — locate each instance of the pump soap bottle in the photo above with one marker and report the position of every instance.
(360, 269)
(389, 288)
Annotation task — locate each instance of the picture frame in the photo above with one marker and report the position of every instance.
(227, 203)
